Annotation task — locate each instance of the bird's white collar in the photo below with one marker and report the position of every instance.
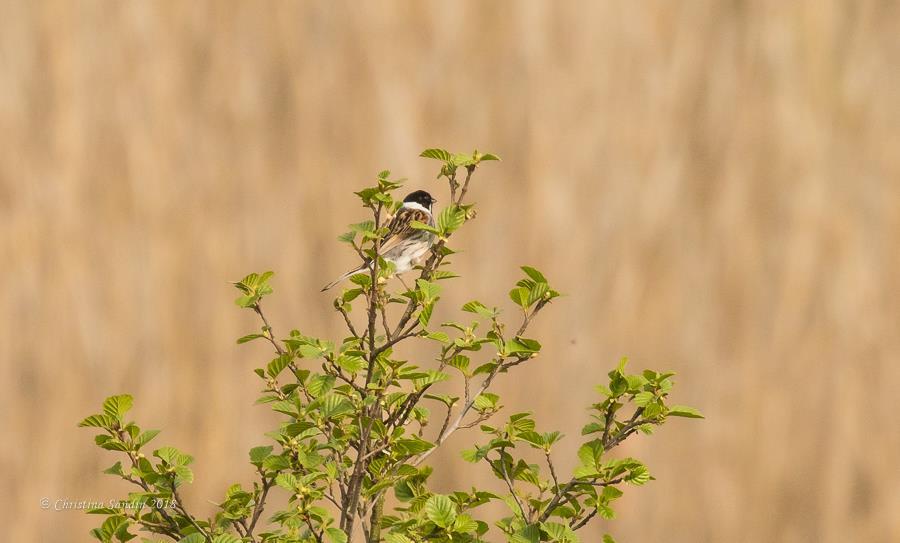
(415, 205)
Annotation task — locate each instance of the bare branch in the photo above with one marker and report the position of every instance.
(267, 329)
(510, 485)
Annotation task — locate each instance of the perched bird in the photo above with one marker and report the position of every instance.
(403, 245)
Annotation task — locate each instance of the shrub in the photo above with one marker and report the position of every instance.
(360, 423)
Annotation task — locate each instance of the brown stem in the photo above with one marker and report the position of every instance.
(260, 504)
(511, 486)
(629, 428)
(179, 504)
(267, 329)
(375, 520)
(347, 320)
(484, 386)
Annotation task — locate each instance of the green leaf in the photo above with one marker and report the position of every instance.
(117, 406)
(351, 363)
(110, 443)
(428, 290)
(276, 463)
(611, 493)
(522, 345)
(439, 336)
(258, 454)
(173, 456)
(479, 308)
(145, 437)
(437, 154)
(608, 539)
(98, 421)
(335, 535)
(227, 538)
(183, 474)
(248, 338)
(463, 159)
(416, 225)
(440, 510)
(314, 351)
(363, 227)
(412, 446)
(486, 401)
(460, 362)
(433, 376)
(254, 286)
(528, 534)
(437, 275)
(193, 538)
(684, 411)
(474, 455)
(287, 481)
(538, 292)
(445, 399)
(519, 423)
(277, 365)
(424, 316)
(537, 276)
(591, 453)
(333, 405)
(639, 476)
(465, 524)
(643, 398)
(397, 537)
(559, 532)
(115, 469)
(450, 219)
(603, 389)
(520, 296)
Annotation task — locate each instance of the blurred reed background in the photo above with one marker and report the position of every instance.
(714, 184)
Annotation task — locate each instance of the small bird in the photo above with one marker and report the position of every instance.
(403, 245)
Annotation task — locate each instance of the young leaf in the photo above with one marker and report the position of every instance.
(440, 510)
(437, 154)
(684, 411)
(98, 421)
(537, 276)
(520, 296)
(479, 308)
(450, 219)
(117, 406)
(258, 454)
(335, 535)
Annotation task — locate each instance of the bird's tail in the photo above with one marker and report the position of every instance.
(344, 276)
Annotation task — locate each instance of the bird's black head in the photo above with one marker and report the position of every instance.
(420, 197)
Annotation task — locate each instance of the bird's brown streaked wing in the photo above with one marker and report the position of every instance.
(400, 227)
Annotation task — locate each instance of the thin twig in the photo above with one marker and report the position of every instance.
(552, 470)
(347, 320)
(629, 428)
(348, 513)
(267, 329)
(484, 386)
(179, 504)
(260, 504)
(510, 485)
(584, 521)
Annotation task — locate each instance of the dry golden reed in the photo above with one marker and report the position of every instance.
(715, 184)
